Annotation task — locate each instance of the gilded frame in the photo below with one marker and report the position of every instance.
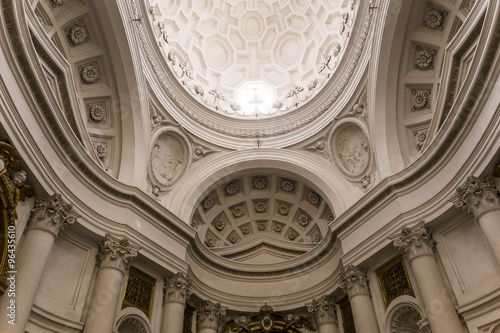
(383, 285)
(149, 281)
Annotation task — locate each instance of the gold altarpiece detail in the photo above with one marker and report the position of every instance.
(12, 191)
(394, 280)
(139, 291)
(347, 317)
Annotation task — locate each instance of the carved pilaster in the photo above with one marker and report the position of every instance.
(116, 253)
(177, 288)
(51, 215)
(478, 197)
(354, 281)
(209, 314)
(415, 242)
(323, 310)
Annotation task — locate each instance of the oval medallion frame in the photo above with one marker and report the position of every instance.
(169, 157)
(350, 149)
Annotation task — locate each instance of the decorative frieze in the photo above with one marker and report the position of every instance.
(415, 242)
(210, 314)
(51, 214)
(478, 197)
(353, 281)
(116, 253)
(177, 288)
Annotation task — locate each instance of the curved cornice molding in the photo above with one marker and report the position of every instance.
(333, 188)
(234, 133)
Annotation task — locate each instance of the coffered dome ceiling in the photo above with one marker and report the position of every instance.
(262, 218)
(253, 57)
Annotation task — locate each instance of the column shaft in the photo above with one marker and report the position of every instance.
(365, 320)
(173, 317)
(177, 290)
(417, 245)
(101, 316)
(490, 224)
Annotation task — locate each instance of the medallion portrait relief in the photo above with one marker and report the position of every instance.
(168, 158)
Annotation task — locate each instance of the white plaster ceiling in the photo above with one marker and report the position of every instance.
(276, 43)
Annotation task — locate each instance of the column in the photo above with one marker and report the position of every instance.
(324, 313)
(481, 199)
(48, 217)
(113, 258)
(177, 291)
(417, 245)
(355, 284)
(209, 316)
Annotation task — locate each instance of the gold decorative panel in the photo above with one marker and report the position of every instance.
(139, 291)
(347, 318)
(394, 280)
(187, 327)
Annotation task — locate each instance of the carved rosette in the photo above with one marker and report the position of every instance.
(323, 310)
(354, 281)
(415, 242)
(116, 253)
(169, 158)
(177, 288)
(351, 152)
(478, 197)
(51, 215)
(210, 314)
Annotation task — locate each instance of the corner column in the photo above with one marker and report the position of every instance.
(324, 313)
(114, 257)
(355, 284)
(481, 199)
(177, 291)
(48, 217)
(417, 245)
(209, 316)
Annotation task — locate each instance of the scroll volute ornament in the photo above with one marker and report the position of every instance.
(414, 242)
(52, 215)
(12, 191)
(354, 281)
(177, 288)
(323, 309)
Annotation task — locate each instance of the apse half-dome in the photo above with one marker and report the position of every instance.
(262, 218)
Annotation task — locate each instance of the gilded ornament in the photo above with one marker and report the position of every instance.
(139, 291)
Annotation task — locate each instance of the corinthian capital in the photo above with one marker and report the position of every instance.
(478, 197)
(116, 253)
(354, 281)
(51, 215)
(209, 314)
(177, 288)
(323, 310)
(414, 242)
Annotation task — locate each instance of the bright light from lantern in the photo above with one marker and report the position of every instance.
(255, 98)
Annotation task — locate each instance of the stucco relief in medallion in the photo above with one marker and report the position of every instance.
(351, 149)
(169, 157)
